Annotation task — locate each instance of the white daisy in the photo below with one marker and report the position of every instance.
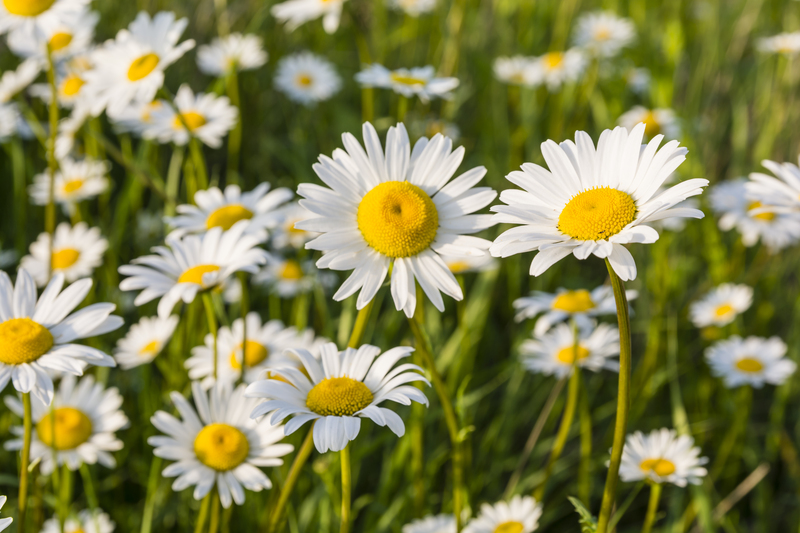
(216, 209)
(417, 81)
(676, 224)
(191, 265)
(781, 193)
(85, 522)
(722, 305)
(217, 444)
(783, 43)
(10, 119)
(593, 201)
(520, 515)
(36, 15)
(4, 522)
(7, 258)
(553, 353)
(130, 68)
(68, 129)
(204, 116)
(554, 69)
(14, 82)
(578, 305)
(69, 83)
(752, 361)
(288, 277)
(77, 251)
(307, 78)
(638, 80)
(465, 264)
(443, 523)
(67, 36)
(137, 118)
(517, 70)
(285, 235)
(233, 53)
(662, 457)
(144, 341)
(657, 121)
(603, 33)
(78, 428)
(295, 13)
(337, 393)
(396, 209)
(75, 181)
(414, 8)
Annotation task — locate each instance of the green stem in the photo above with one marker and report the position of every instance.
(27, 422)
(199, 163)
(585, 465)
(294, 473)
(213, 525)
(52, 164)
(212, 325)
(173, 180)
(347, 485)
(65, 496)
(203, 514)
(744, 401)
(244, 303)
(235, 137)
(150, 498)
(223, 24)
(402, 108)
(623, 400)
(652, 507)
(360, 325)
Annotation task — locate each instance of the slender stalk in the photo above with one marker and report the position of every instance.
(294, 473)
(623, 400)
(65, 497)
(91, 495)
(244, 303)
(52, 164)
(402, 107)
(360, 325)
(223, 24)
(585, 465)
(27, 423)
(652, 507)
(199, 161)
(213, 525)
(212, 325)
(235, 137)
(173, 180)
(347, 486)
(150, 498)
(203, 514)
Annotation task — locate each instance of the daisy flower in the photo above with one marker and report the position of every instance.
(781, 193)
(77, 251)
(215, 209)
(137, 118)
(217, 444)
(784, 43)
(593, 200)
(295, 13)
(417, 81)
(414, 8)
(288, 277)
(396, 209)
(307, 78)
(75, 181)
(285, 235)
(662, 457)
(10, 119)
(233, 53)
(69, 84)
(144, 341)
(191, 265)
(36, 15)
(68, 36)
(13, 82)
(554, 69)
(78, 428)
(339, 391)
(466, 264)
(752, 361)
(722, 305)
(4, 522)
(520, 515)
(130, 68)
(638, 80)
(657, 121)
(553, 353)
(84, 522)
(517, 70)
(443, 523)
(603, 33)
(204, 116)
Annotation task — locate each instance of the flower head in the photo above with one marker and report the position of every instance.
(722, 305)
(233, 53)
(307, 78)
(65, 36)
(75, 181)
(443, 523)
(517, 70)
(285, 234)
(554, 69)
(556, 353)
(144, 341)
(287, 277)
(520, 515)
(780, 193)
(4, 522)
(657, 121)
(662, 457)
(752, 361)
(295, 13)
(77, 251)
(84, 522)
(36, 16)
(603, 33)
(465, 264)
(418, 81)
(787, 44)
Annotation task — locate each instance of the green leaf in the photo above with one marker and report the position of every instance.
(587, 521)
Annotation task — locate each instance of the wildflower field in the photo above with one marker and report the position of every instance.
(407, 266)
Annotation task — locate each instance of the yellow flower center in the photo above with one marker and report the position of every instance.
(304, 80)
(73, 185)
(150, 349)
(602, 34)
(291, 229)
(193, 121)
(512, 526)
(750, 365)
(221, 447)
(27, 8)
(578, 301)
(567, 355)
(406, 80)
(723, 310)
(291, 270)
(660, 467)
(65, 428)
(398, 219)
(65, 258)
(651, 125)
(23, 341)
(553, 60)
(768, 217)
(458, 267)
(60, 40)
(254, 354)
(597, 214)
(338, 397)
(72, 85)
(195, 274)
(225, 217)
(147, 110)
(143, 66)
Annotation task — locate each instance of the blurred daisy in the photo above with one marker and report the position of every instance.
(13, 82)
(233, 53)
(432, 126)
(337, 393)
(285, 235)
(676, 224)
(78, 428)
(443, 523)
(144, 341)
(418, 81)
(68, 129)
(396, 209)
(722, 305)
(638, 80)
(557, 68)
(36, 15)
(781, 193)
(657, 121)
(7, 258)
(85, 522)
(217, 445)
(69, 84)
(662, 457)
(579, 305)
(216, 209)
(188, 266)
(77, 251)
(10, 119)
(517, 70)
(553, 353)
(307, 78)
(603, 33)
(288, 277)
(130, 68)
(295, 13)
(783, 43)
(414, 8)
(520, 515)
(4, 522)
(752, 361)
(466, 264)
(136, 118)
(69, 35)
(204, 116)
(593, 200)
(75, 181)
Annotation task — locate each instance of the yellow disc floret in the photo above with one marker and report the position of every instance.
(723, 310)
(578, 301)
(70, 87)
(291, 270)
(221, 447)
(398, 219)
(338, 397)
(149, 349)
(23, 341)
(512, 526)
(254, 354)
(195, 274)
(651, 124)
(567, 355)
(65, 258)
(597, 214)
(749, 365)
(141, 67)
(193, 120)
(60, 40)
(225, 217)
(553, 60)
(73, 185)
(766, 217)
(660, 467)
(70, 426)
(27, 8)
(405, 79)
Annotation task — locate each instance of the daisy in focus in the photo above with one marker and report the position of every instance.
(442, 523)
(77, 251)
(657, 122)
(215, 444)
(721, 306)
(185, 267)
(466, 264)
(338, 391)
(555, 352)
(285, 234)
(752, 361)
(33, 16)
(84, 522)
(36, 335)
(780, 193)
(4, 522)
(398, 207)
(784, 43)
(75, 181)
(307, 78)
(288, 277)
(234, 53)
(417, 81)
(78, 428)
(144, 341)
(295, 13)
(517, 70)
(662, 457)
(593, 200)
(69, 35)
(603, 33)
(414, 8)
(554, 69)
(520, 515)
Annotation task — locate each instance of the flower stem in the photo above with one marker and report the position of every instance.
(91, 495)
(294, 473)
(150, 497)
(652, 507)
(212, 326)
(213, 525)
(244, 303)
(203, 514)
(347, 485)
(52, 163)
(235, 137)
(623, 400)
(27, 422)
(360, 325)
